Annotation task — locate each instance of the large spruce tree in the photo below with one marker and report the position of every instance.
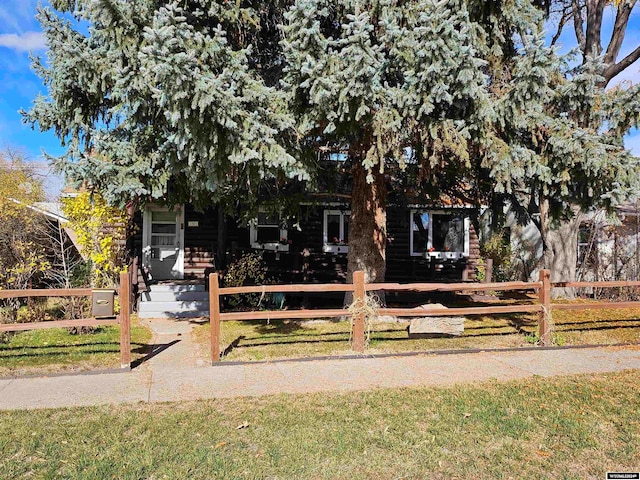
(390, 82)
(173, 99)
(184, 100)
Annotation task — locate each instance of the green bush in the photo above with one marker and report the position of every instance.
(498, 249)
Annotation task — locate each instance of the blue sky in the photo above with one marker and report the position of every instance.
(20, 34)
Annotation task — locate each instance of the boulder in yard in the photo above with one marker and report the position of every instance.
(434, 326)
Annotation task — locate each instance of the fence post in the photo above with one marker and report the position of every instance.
(544, 296)
(358, 319)
(125, 320)
(214, 316)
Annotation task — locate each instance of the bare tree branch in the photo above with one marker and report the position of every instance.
(614, 70)
(564, 18)
(578, 24)
(593, 44)
(619, 31)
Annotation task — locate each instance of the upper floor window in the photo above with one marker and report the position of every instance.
(336, 231)
(438, 234)
(268, 233)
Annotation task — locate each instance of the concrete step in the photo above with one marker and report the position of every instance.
(174, 301)
(173, 305)
(188, 287)
(175, 314)
(173, 309)
(179, 296)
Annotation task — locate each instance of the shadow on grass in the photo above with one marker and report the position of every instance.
(560, 328)
(294, 342)
(45, 350)
(232, 346)
(64, 345)
(57, 354)
(597, 321)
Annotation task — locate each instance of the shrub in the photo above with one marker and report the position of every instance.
(499, 250)
(249, 269)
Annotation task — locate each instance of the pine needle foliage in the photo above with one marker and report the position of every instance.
(164, 100)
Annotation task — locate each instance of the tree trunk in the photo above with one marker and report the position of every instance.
(560, 249)
(367, 226)
(221, 249)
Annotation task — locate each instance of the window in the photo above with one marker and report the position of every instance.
(163, 233)
(336, 231)
(438, 234)
(586, 252)
(267, 233)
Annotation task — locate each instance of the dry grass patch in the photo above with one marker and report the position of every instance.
(261, 340)
(57, 350)
(572, 427)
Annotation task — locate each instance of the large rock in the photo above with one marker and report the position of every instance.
(429, 327)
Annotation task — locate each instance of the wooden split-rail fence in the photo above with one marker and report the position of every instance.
(123, 318)
(359, 288)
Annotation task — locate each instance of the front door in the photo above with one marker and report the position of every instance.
(163, 233)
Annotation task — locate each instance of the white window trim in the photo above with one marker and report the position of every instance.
(438, 255)
(270, 246)
(332, 247)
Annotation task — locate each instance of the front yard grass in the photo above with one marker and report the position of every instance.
(56, 350)
(261, 340)
(568, 427)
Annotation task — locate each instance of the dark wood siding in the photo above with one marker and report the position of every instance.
(403, 267)
(306, 262)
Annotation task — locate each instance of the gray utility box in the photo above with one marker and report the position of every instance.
(102, 305)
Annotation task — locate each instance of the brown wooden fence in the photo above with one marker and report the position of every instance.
(123, 319)
(543, 307)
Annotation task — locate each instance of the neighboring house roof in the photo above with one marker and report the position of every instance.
(50, 209)
(53, 210)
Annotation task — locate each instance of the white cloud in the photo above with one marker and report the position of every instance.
(23, 42)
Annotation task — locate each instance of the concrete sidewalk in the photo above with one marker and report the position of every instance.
(163, 382)
(178, 371)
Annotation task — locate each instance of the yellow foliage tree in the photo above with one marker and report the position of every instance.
(101, 230)
(23, 253)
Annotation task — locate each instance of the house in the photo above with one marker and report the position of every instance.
(425, 243)
(608, 246)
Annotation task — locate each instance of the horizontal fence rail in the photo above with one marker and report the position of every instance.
(453, 287)
(123, 319)
(282, 314)
(452, 312)
(301, 288)
(542, 305)
(609, 284)
(81, 322)
(47, 292)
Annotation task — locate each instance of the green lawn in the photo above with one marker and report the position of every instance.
(573, 427)
(56, 350)
(261, 340)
